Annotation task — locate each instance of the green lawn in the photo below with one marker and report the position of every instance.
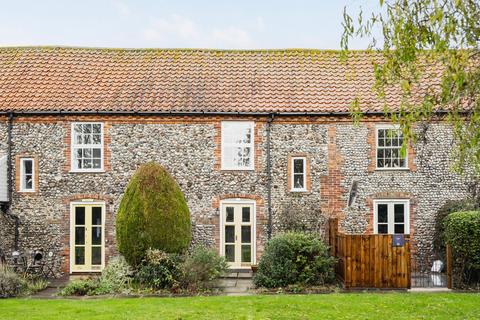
(328, 306)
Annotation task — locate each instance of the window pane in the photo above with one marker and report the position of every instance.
(383, 228)
(87, 153)
(77, 128)
(230, 216)
(399, 210)
(79, 164)
(97, 139)
(245, 157)
(79, 154)
(298, 182)
(96, 216)
(87, 164)
(28, 166)
(399, 228)
(79, 255)
(96, 256)
(246, 234)
(246, 253)
(97, 152)
(96, 163)
(230, 253)
(29, 182)
(97, 128)
(87, 128)
(245, 214)
(80, 215)
(80, 235)
(298, 165)
(230, 234)
(382, 212)
(97, 235)
(87, 139)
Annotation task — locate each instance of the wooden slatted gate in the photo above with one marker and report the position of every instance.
(370, 261)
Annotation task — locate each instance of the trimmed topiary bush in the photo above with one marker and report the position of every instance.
(153, 214)
(462, 232)
(295, 259)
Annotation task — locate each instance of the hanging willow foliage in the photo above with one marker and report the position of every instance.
(429, 51)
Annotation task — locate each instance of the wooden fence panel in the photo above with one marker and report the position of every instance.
(370, 261)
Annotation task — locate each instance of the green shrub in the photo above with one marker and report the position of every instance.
(462, 232)
(201, 268)
(153, 214)
(294, 259)
(115, 277)
(159, 270)
(467, 204)
(80, 288)
(11, 284)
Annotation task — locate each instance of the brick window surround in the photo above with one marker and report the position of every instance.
(257, 144)
(371, 139)
(106, 147)
(18, 174)
(308, 180)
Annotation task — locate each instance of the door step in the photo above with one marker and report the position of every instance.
(234, 274)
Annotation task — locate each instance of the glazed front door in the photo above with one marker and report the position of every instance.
(238, 235)
(87, 238)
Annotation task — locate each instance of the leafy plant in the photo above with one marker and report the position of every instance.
(295, 259)
(449, 207)
(115, 277)
(462, 232)
(159, 270)
(153, 214)
(202, 266)
(429, 52)
(80, 288)
(11, 284)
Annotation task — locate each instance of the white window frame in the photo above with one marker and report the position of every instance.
(74, 146)
(292, 174)
(391, 214)
(387, 127)
(22, 175)
(251, 145)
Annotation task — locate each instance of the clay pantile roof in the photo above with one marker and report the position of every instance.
(182, 80)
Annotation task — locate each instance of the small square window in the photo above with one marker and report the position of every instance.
(87, 147)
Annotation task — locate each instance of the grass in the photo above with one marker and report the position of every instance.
(328, 306)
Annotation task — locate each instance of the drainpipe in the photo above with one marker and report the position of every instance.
(6, 206)
(269, 177)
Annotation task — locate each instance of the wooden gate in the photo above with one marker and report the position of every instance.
(370, 261)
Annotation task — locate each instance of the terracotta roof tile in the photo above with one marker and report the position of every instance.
(163, 80)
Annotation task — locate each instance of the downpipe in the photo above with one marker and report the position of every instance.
(269, 177)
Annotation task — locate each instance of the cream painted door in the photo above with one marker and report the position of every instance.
(87, 238)
(238, 235)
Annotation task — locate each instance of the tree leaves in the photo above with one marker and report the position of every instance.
(431, 54)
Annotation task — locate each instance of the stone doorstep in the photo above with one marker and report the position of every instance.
(238, 275)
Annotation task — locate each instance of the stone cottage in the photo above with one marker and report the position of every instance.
(259, 142)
